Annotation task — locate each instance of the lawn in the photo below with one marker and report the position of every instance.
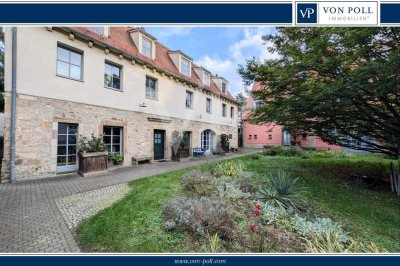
(369, 214)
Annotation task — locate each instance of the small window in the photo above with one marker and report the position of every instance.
(112, 138)
(112, 76)
(69, 63)
(232, 112)
(147, 47)
(257, 103)
(151, 88)
(269, 136)
(223, 110)
(185, 67)
(98, 30)
(223, 87)
(250, 137)
(189, 99)
(208, 105)
(206, 79)
(255, 136)
(304, 136)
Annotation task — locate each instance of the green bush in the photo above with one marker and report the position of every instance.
(282, 191)
(117, 158)
(256, 156)
(327, 154)
(199, 216)
(199, 183)
(292, 151)
(227, 168)
(92, 144)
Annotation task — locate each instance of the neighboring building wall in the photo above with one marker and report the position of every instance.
(256, 136)
(316, 143)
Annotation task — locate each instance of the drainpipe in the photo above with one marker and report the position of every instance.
(13, 103)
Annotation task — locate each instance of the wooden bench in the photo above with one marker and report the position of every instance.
(140, 160)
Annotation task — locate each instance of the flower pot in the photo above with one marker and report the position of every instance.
(180, 154)
(92, 162)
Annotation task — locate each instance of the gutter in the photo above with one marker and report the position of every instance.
(13, 103)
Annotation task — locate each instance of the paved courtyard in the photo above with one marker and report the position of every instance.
(30, 220)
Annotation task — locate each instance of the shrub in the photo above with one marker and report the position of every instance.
(117, 158)
(327, 154)
(227, 168)
(271, 214)
(231, 191)
(199, 216)
(199, 183)
(92, 144)
(330, 242)
(247, 181)
(256, 156)
(321, 227)
(292, 151)
(282, 192)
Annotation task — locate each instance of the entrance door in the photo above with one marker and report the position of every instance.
(159, 139)
(66, 147)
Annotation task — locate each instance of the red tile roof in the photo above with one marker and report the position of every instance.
(120, 39)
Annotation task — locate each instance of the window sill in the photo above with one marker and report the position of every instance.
(153, 99)
(66, 77)
(114, 89)
(191, 108)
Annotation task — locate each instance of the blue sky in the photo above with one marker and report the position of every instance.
(218, 49)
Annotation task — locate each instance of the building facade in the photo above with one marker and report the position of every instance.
(258, 136)
(117, 83)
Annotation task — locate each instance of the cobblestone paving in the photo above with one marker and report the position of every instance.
(30, 220)
(77, 207)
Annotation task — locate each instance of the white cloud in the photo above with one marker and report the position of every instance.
(251, 45)
(215, 64)
(165, 33)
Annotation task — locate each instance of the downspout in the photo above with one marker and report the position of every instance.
(13, 103)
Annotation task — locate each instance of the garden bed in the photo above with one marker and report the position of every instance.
(146, 219)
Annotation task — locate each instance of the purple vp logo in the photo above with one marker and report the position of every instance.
(306, 13)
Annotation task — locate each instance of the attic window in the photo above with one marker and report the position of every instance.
(98, 30)
(147, 47)
(223, 87)
(206, 79)
(185, 66)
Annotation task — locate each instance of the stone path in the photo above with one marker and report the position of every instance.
(30, 220)
(77, 207)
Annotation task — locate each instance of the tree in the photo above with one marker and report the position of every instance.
(341, 84)
(242, 100)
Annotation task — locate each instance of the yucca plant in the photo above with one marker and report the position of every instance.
(283, 191)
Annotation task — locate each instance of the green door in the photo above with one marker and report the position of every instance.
(159, 139)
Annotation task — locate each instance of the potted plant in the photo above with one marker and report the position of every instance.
(185, 146)
(116, 158)
(225, 142)
(92, 155)
(176, 141)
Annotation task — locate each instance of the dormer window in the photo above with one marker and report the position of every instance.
(147, 47)
(206, 79)
(185, 66)
(98, 30)
(223, 87)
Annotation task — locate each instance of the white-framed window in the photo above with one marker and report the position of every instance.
(151, 88)
(232, 112)
(69, 62)
(147, 47)
(223, 110)
(207, 139)
(223, 87)
(208, 105)
(185, 66)
(112, 138)
(257, 103)
(189, 99)
(98, 30)
(112, 76)
(206, 79)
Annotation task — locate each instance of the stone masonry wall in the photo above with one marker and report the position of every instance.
(37, 125)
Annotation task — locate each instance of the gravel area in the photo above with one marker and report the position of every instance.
(77, 207)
